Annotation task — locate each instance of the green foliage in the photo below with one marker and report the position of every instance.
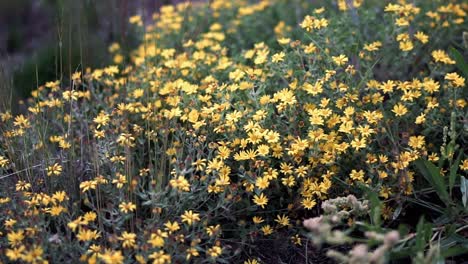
(231, 123)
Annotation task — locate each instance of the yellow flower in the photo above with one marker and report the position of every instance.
(387, 87)
(180, 183)
(15, 238)
(357, 175)
(215, 251)
(189, 217)
(262, 182)
(33, 255)
(308, 203)
(358, 143)
(54, 170)
(89, 216)
(10, 223)
(456, 80)
(126, 140)
(382, 174)
(160, 257)
(21, 121)
(59, 196)
(278, 57)
(416, 142)
(257, 220)
(87, 235)
(157, 239)
(433, 157)
(464, 165)
(406, 45)
(267, 230)
(385, 192)
(340, 60)
(192, 252)
(136, 19)
(442, 56)
(284, 41)
(15, 254)
(88, 185)
(199, 164)
(311, 48)
(282, 220)
(374, 46)
(172, 227)
(101, 120)
(120, 181)
(138, 93)
(261, 200)
(128, 239)
(127, 207)
(212, 230)
(3, 162)
(56, 210)
(296, 239)
(420, 119)
(423, 38)
(288, 181)
(400, 110)
(112, 257)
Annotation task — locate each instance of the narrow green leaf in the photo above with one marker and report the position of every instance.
(464, 190)
(397, 212)
(461, 63)
(423, 234)
(432, 174)
(455, 251)
(453, 171)
(376, 205)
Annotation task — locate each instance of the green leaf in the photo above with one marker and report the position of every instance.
(375, 204)
(461, 64)
(397, 212)
(455, 251)
(423, 235)
(453, 171)
(433, 176)
(464, 190)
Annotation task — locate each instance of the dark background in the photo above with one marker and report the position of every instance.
(31, 32)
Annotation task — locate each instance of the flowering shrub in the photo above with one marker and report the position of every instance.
(232, 123)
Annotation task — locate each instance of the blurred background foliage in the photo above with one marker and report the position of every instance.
(46, 40)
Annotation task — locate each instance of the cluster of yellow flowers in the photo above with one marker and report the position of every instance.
(197, 137)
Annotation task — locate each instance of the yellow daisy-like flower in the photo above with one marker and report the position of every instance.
(172, 227)
(3, 162)
(258, 219)
(308, 203)
(455, 79)
(267, 230)
(340, 60)
(442, 56)
(128, 239)
(87, 235)
(399, 110)
(54, 170)
(464, 165)
(260, 200)
(406, 46)
(215, 251)
(190, 217)
(15, 238)
(127, 207)
(357, 175)
(282, 220)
